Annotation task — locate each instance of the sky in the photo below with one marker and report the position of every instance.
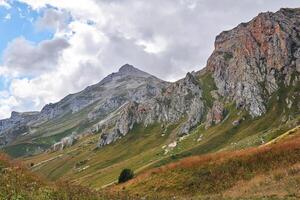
(51, 48)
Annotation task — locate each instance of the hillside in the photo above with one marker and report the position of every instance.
(271, 171)
(17, 183)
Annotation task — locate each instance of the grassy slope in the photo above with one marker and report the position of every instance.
(267, 172)
(17, 183)
(100, 167)
(142, 148)
(271, 171)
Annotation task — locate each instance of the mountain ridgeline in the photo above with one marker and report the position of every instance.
(253, 68)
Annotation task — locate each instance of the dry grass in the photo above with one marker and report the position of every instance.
(219, 172)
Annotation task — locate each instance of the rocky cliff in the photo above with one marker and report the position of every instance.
(250, 61)
(182, 99)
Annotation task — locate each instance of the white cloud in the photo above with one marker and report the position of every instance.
(53, 20)
(7, 104)
(5, 4)
(7, 17)
(26, 58)
(157, 45)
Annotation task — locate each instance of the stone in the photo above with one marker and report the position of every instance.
(260, 50)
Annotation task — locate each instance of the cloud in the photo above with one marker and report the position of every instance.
(5, 4)
(53, 20)
(7, 104)
(73, 67)
(27, 58)
(7, 17)
(166, 38)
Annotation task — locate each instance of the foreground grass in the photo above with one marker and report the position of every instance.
(17, 183)
(254, 173)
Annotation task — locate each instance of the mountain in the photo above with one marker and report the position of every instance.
(247, 96)
(90, 105)
(249, 64)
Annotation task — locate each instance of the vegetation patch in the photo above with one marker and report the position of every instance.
(125, 175)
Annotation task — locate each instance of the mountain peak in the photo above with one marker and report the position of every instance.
(128, 69)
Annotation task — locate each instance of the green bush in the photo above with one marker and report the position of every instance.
(227, 56)
(126, 175)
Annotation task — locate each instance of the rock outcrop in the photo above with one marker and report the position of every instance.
(15, 126)
(250, 60)
(182, 99)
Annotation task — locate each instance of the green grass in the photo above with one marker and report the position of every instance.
(23, 149)
(140, 147)
(207, 85)
(50, 140)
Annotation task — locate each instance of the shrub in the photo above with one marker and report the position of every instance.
(126, 175)
(227, 56)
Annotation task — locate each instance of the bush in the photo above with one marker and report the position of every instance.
(126, 175)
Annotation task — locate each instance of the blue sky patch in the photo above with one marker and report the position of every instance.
(19, 21)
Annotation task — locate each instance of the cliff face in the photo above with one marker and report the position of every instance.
(251, 60)
(182, 99)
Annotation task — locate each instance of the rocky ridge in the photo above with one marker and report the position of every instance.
(181, 99)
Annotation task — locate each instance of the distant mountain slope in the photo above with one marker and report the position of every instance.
(251, 65)
(83, 109)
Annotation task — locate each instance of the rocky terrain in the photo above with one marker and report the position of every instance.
(254, 59)
(250, 64)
